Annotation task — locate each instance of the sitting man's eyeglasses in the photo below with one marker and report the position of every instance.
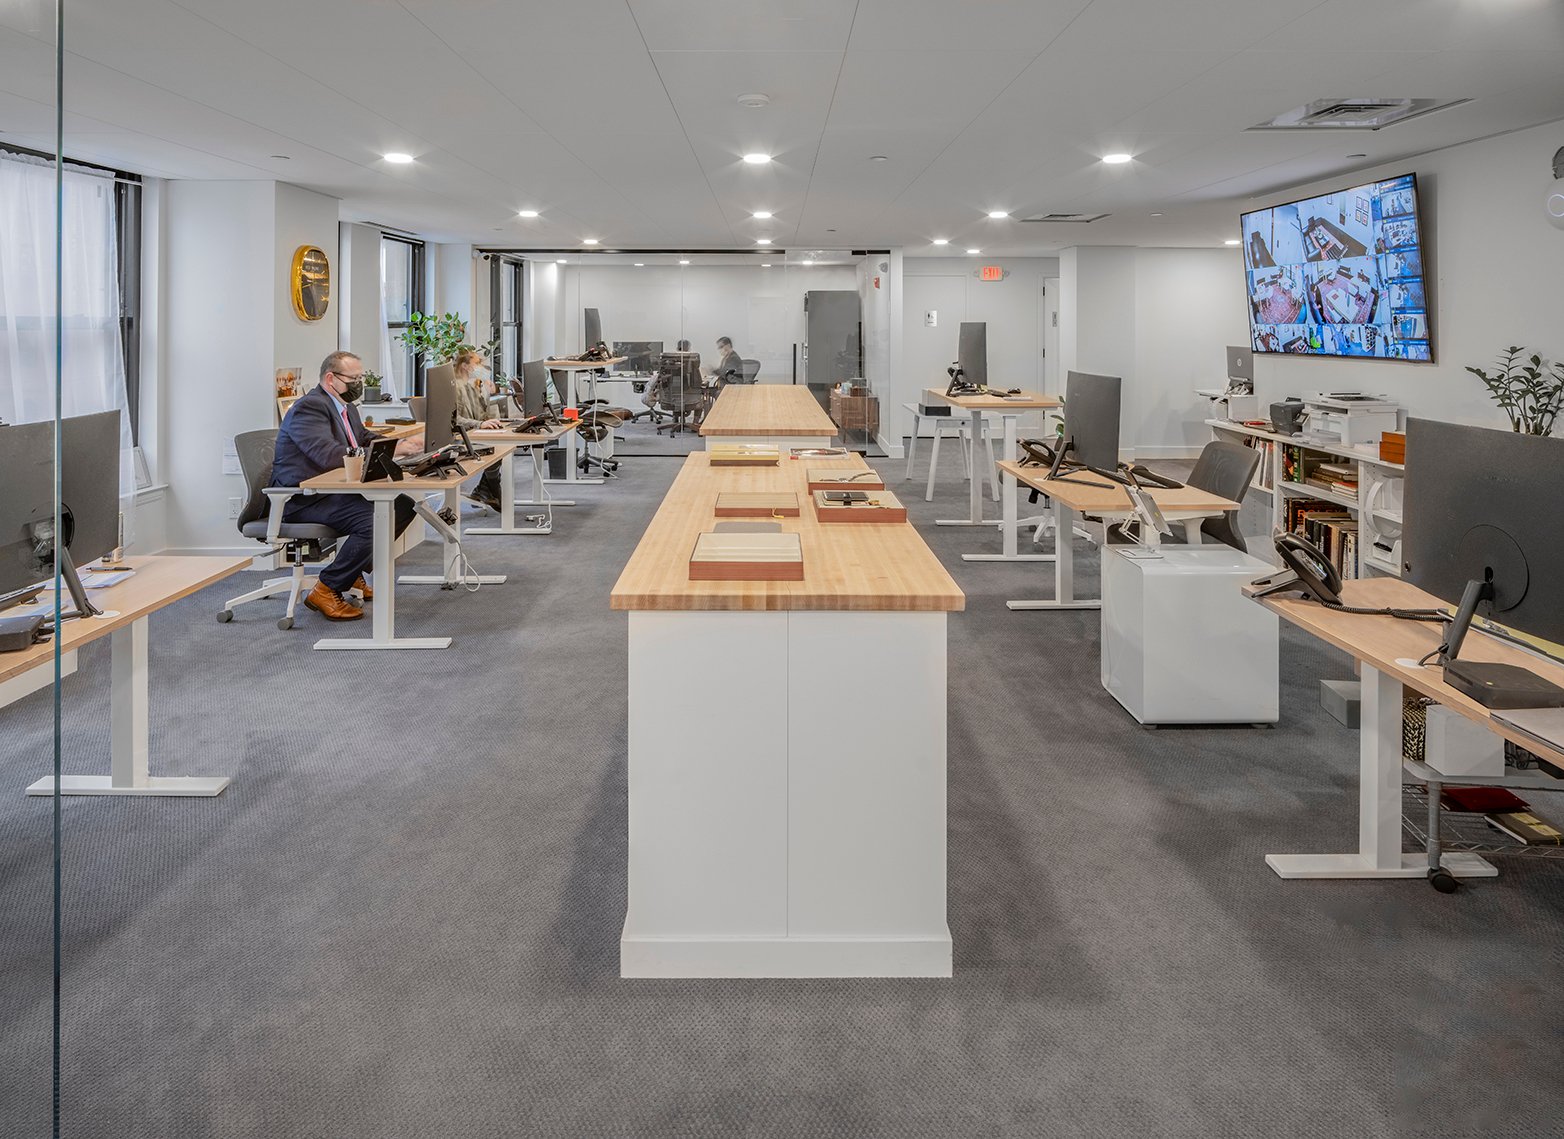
(347, 378)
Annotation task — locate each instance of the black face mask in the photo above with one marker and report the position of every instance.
(353, 391)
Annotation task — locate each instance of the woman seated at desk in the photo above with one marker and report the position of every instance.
(474, 385)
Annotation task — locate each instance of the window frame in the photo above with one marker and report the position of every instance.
(415, 292)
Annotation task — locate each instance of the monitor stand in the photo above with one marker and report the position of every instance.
(1491, 685)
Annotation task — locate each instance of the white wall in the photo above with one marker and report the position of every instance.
(358, 293)
(452, 273)
(542, 311)
(1159, 318)
(1498, 278)
(227, 324)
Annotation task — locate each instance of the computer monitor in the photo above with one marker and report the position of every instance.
(640, 356)
(439, 405)
(1240, 364)
(592, 328)
(535, 389)
(1482, 530)
(89, 500)
(972, 352)
(1091, 419)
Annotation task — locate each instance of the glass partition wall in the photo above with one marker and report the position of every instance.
(686, 324)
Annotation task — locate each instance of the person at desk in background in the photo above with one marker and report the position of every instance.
(314, 438)
(474, 384)
(729, 368)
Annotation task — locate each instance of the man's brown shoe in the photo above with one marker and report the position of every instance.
(332, 605)
(363, 588)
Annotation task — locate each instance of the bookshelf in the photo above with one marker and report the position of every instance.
(1352, 506)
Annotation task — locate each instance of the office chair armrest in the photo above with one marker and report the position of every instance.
(278, 496)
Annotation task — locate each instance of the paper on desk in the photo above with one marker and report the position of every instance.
(104, 580)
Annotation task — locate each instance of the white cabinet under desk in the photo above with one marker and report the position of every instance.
(787, 750)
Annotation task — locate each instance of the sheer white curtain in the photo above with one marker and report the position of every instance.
(94, 369)
(390, 353)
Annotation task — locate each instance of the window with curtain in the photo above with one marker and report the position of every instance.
(93, 312)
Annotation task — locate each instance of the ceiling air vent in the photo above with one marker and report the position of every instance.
(1080, 218)
(1354, 114)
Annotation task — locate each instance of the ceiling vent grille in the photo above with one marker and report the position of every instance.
(1076, 218)
(1355, 114)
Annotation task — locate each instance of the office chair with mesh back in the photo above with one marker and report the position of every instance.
(751, 371)
(1225, 469)
(681, 395)
(261, 519)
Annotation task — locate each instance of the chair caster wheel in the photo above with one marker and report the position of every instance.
(285, 622)
(1442, 880)
(225, 616)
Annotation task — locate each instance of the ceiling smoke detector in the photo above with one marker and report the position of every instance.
(1354, 114)
(754, 100)
(1076, 218)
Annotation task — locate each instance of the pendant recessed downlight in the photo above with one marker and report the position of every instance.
(762, 241)
(1231, 241)
(589, 241)
(683, 262)
(765, 265)
(756, 158)
(879, 158)
(754, 99)
(397, 158)
(526, 213)
(1117, 159)
(561, 261)
(974, 252)
(942, 241)
(761, 215)
(998, 215)
(640, 264)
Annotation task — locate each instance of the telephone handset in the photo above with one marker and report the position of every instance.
(1316, 576)
(531, 423)
(436, 462)
(1035, 453)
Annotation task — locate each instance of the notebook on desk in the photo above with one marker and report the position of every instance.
(1544, 725)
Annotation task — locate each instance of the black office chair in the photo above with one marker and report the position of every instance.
(751, 371)
(1225, 469)
(261, 519)
(681, 396)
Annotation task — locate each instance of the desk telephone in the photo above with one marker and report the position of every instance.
(435, 463)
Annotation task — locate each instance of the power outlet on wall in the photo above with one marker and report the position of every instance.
(234, 505)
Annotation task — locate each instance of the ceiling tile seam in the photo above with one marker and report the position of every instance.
(836, 85)
(612, 187)
(674, 107)
(984, 109)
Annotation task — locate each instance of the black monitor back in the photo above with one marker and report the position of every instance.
(1482, 501)
(90, 483)
(439, 405)
(593, 328)
(1091, 418)
(26, 499)
(972, 351)
(535, 381)
(640, 355)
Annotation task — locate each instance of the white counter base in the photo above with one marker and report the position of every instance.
(786, 795)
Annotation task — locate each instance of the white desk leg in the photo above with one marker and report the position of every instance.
(382, 611)
(129, 722)
(574, 439)
(451, 553)
(912, 445)
(539, 495)
(1379, 804)
(1192, 531)
(1010, 524)
(508, 501)
(975, 488)
(1064, 568)
(1010, 451)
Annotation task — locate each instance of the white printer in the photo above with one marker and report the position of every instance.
(1350, 418)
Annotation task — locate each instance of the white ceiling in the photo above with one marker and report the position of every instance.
(618, 119)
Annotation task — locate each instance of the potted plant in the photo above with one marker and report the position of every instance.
(436, 338)
(1530, 390)
(372, 382)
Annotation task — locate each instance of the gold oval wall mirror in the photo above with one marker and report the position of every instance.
(311, 282)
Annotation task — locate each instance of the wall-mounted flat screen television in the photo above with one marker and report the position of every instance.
(1340, 275)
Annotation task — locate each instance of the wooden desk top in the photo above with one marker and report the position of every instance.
(336, 482)
(583, 365)
(530, 439)
(158, 581)
(768, 409)
(1026, 401)
(1382, 641)
(861, 567)
(395, 430)
(1108, 497)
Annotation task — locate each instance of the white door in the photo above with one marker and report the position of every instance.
(1051, 379)
(927, 350)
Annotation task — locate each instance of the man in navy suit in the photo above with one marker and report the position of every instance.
(314, 438)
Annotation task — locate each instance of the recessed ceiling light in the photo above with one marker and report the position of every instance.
(1156, 215)
(761, 215)
(283, 157)
(398, 158)
(683, 262)
(942, 241)
(879, 158)
(640, 264)
(974, 251)
(1231, 241)
(589, 241)
(762, 241)
(830, 231)
(561, 261)
(527, 213)
(756, 158)
(1117, 159)
(808, 262)
(1357, 156)
(754, 100)
(998, 215)
(765, 265)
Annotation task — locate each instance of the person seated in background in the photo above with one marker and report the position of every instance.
(729, 368)
(474, 385)
(314, 438)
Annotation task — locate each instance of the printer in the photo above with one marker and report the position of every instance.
(1352, 419)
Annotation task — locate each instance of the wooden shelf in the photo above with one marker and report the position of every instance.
(1364, 454)
(1305, 490)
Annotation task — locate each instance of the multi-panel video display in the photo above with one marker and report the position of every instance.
(1340, 275)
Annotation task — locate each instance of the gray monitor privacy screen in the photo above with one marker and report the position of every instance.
(89, 489)
(439, 405)
(1483, 503)
(594, 328)
(972, 351)
(1091, 418)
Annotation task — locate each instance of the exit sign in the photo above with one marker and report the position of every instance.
(991, 273)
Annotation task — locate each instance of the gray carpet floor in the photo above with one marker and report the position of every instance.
(402, 919)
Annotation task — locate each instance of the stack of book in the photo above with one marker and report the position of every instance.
(1340, 478)
(1329, 526)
